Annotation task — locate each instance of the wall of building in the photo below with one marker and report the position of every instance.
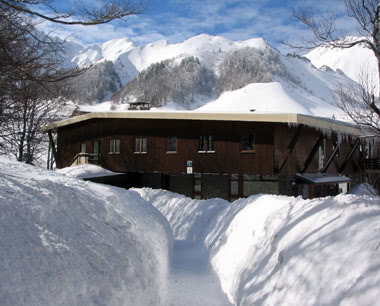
(308, 137)
(227, 157)
(217, 173)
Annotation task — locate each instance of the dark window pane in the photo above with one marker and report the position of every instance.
(112, 145)
(202, 143)
(144, 148)
(248, 143)
(137, 144)
(172, 144)
(211, 143)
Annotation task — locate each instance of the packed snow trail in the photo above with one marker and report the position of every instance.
(192, 281)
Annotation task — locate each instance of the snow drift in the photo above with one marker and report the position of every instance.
(69, 242)
(277, 250)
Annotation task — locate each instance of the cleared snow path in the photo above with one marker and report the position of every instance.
(192, 281)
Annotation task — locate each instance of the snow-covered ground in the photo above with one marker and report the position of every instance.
(277, 250)
(86, 171)
(69, 242)
(64, 241)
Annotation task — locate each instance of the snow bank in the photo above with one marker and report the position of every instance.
(69, 242)
(277, 250)
(363, 190)
(188, 218)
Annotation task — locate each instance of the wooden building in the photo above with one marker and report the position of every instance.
(204, 155)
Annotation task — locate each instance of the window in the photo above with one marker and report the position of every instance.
(253, 184)
(172, 144)
(248, 143)
(83, 148)
(197, 186)
(141, 145)
(114, 146)
(207, 144)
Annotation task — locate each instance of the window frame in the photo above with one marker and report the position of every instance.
(139, 145)
(114, 146)
(242, 149)
(168, 149)
(208, 144)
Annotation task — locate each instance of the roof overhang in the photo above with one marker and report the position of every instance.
(296, 119)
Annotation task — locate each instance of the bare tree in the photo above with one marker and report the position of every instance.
(21, 134)
(32, 62)
(361, 103)
(89, 13)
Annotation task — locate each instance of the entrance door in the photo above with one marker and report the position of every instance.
(97, 151)
(97, 147)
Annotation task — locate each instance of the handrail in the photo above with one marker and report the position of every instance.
(86, 158)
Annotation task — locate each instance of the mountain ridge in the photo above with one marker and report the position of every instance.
(135, 70)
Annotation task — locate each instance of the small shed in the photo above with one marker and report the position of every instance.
(313, 185)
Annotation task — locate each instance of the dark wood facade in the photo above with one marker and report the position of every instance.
(280, 151)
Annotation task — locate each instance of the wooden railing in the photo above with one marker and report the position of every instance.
(86, 158)
(372, 164)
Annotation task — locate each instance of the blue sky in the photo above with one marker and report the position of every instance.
(178, 20)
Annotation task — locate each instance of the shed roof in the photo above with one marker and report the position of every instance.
(312, 121)
(322, 178)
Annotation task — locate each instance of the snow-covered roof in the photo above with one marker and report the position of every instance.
(312, 121)
(322, 178)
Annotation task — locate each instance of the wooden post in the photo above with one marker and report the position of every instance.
(48, 157)
(348, 158)
(312, 153)
(52, 144)
(330, 159)
(290, 147)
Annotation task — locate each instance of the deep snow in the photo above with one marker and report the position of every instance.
(64, 241)
(86, 171)
(69, 242)
(277, 250)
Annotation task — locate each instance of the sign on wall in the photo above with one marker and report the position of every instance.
(189, 165)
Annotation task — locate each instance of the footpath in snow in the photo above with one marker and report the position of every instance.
(64, 241)
(192, 280)
(274, 250)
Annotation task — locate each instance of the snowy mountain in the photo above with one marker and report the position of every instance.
(354, 62)
(211, 73)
